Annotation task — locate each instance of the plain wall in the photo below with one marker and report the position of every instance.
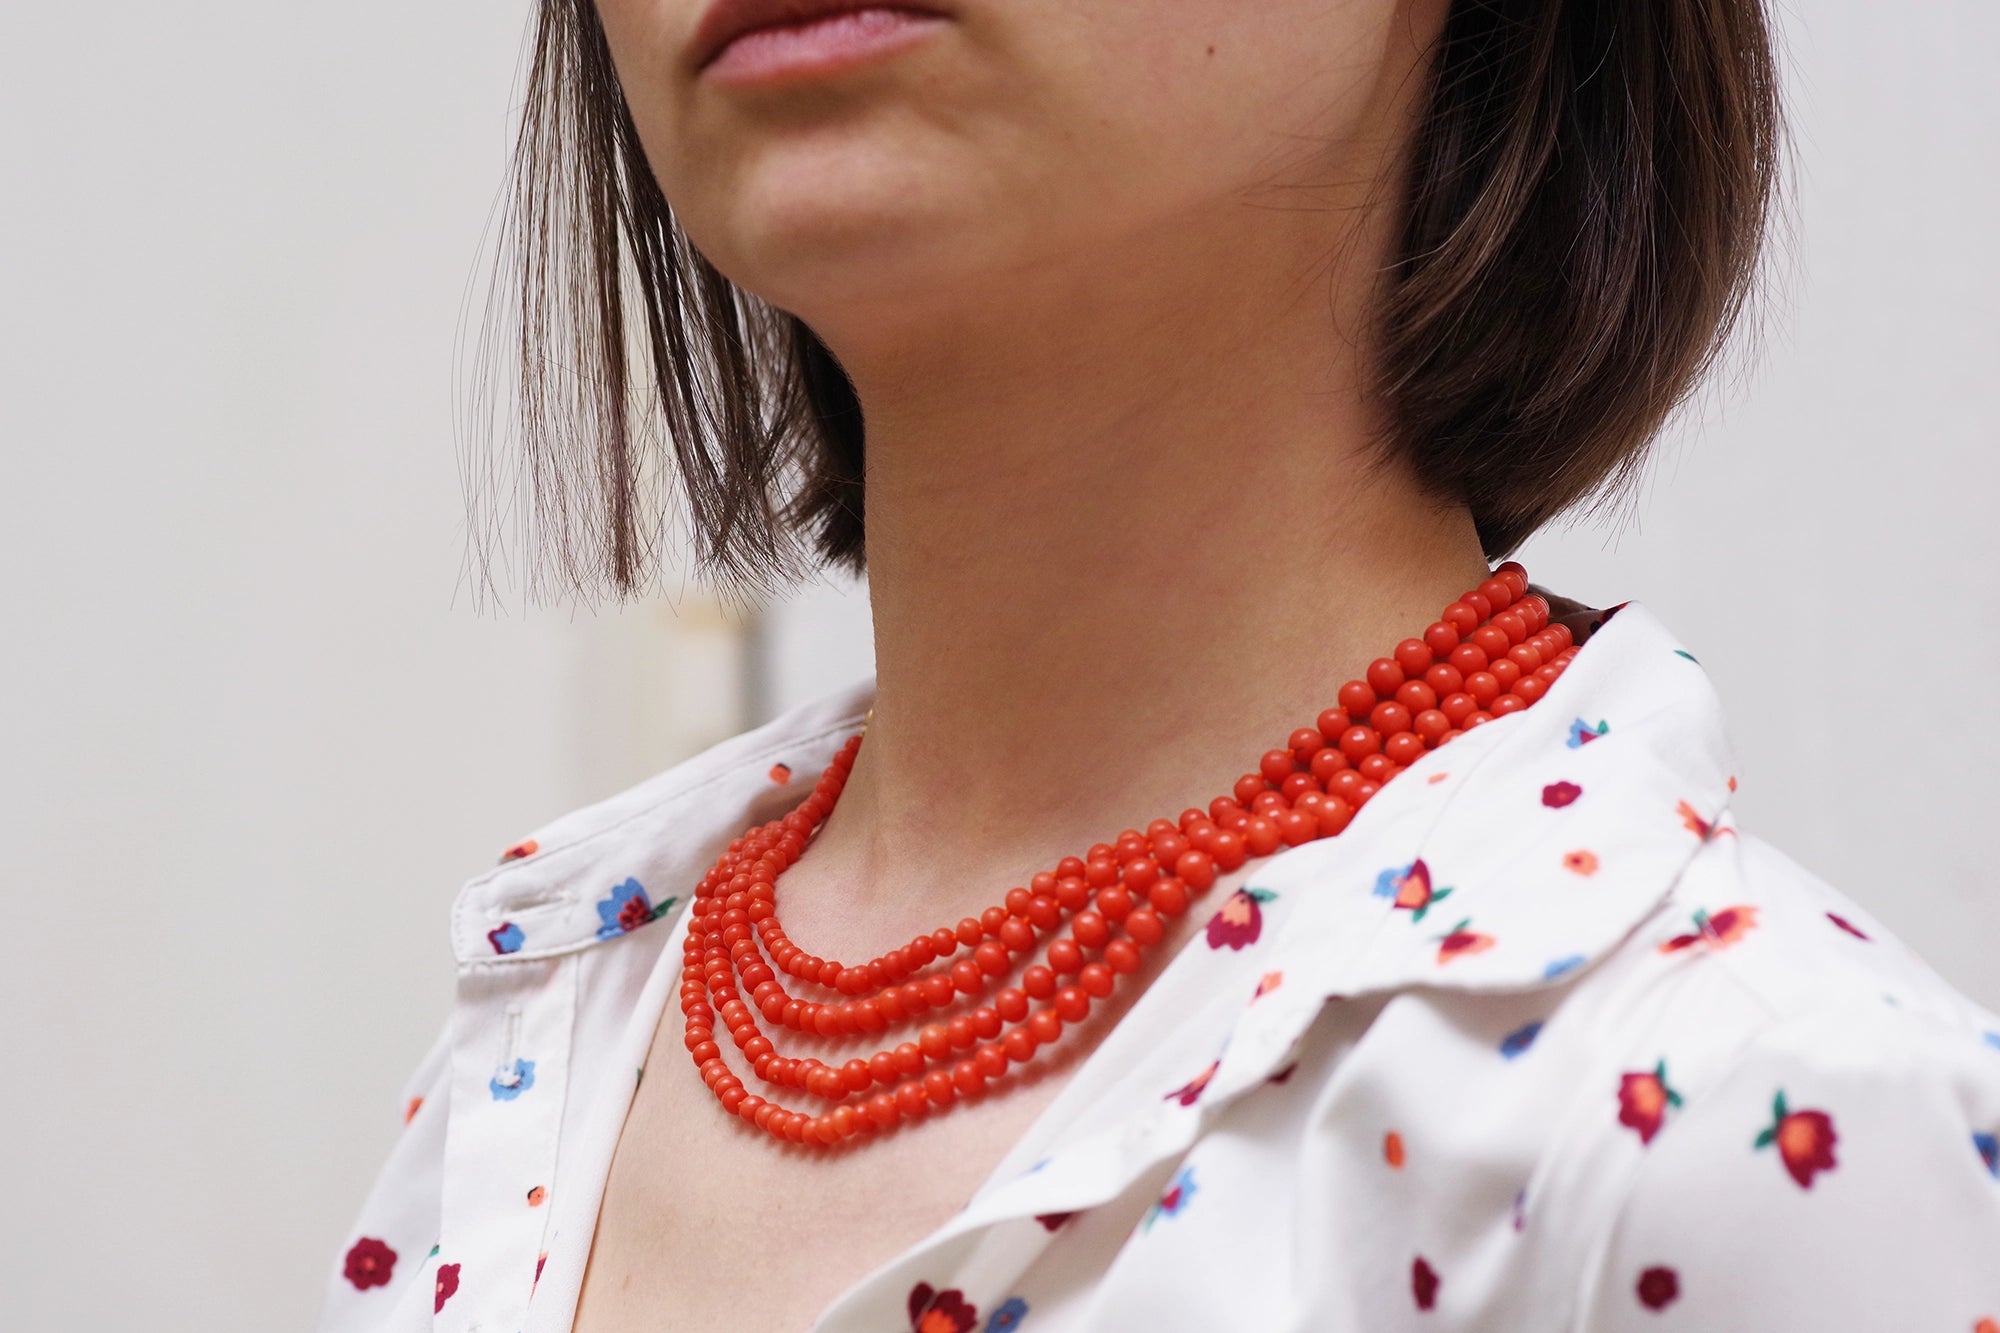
(253, 736)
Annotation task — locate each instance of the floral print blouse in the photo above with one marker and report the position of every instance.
(1543, 1041)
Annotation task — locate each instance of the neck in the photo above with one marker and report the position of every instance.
(1123, 538)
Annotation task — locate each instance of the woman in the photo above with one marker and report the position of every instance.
(1206, 352)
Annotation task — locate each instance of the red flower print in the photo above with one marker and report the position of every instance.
(1053, 1221)
(1846, 925)
(1411, 889)
(1190, 1091)
(635, 913)
(370, 1263)
(1284, 1073)
(1643, 1100)
(1658, 1288)
(1805, 1140)
(1580, 862)
(945, 1311)
(781, 773)
(1559, 794)
(1717, 932)
(1240, 920)
(447, 1283)
(540, 1259)
(1458, 942)
(410, 1110)
(1424, 1283)
(525, 847)
(1392, 1149)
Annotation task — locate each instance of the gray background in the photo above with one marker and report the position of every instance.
(253, 742)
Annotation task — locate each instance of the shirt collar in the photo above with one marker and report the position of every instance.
(1513, 856)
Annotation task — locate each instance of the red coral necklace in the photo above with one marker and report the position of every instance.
(1493, 651)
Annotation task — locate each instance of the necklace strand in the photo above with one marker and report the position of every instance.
(1493, 651)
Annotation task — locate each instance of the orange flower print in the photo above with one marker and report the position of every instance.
(1580, 862)
(1392, 1149)
(1458, 941)
(1987, 1325)
(525, 847)
(933, 1311)
(1410, 888)
(780, 773)
(1696, 825)
(1267, 983)
(1805, 1140)
(410, 1111)
(537, 1196)
(1643, 1099)
(1716, 932)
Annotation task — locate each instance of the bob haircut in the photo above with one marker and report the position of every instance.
(1587, 196)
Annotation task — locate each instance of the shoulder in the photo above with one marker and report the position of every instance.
(600, 871)
(1807, 1117)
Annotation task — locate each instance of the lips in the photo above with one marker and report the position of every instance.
(726, 20)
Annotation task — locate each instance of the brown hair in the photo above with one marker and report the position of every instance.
(1588, 192)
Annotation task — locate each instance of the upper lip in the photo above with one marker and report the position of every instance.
(726, 20)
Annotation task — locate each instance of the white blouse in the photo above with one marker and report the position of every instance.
(1542, 1041)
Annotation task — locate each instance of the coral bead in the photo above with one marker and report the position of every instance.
(1414, 657)
(1356, 698)
(1169, 897)
(1066, 960)
(1406, 747)
(1389, 718)
(1358, 743)
(1416, 696)
(1385, 676)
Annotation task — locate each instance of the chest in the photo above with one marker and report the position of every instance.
(707, 1219)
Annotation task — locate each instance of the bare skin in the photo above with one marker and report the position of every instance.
(1100, 275)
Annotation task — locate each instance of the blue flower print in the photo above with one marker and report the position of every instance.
(1582, 733)
(1988, 1148)
(1561, 966)
(505, 938)
(511, 1083)
(627, 909)
(1392, 879)
(1179, 1190)
(1008, 1317)
(1520, 1039)
(1992, 1039)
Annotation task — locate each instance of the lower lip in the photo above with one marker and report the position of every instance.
(823, 46)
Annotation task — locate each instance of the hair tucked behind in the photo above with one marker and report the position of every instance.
(1588, 194)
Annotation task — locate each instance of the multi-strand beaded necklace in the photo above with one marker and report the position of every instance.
(1491, 652)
